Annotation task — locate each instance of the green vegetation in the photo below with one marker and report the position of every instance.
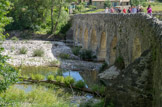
(103, 67)
(156, 6)
(38, 97)
(8, 74)
(64, 56)
(86, 54)
(23, 50)
(14, 38)
(60, 79)
(37, 77)
(54, 63)
(107, 3)
(91, 103)
(69, 80)
(76, 50)
(99, 88)
(80, 84)
(38, 52)
(50, 77)
(119, 62)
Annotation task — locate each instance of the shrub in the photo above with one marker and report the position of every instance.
(98, 88)
(55, 63)
(37, 77)
(23, 50)
(64, 56)
(50, 77)
(14, 38)
(119, 63)
(86, 54)
(92, 7)
(38, 52)
(80, 84)
(76, 50)
(60, 79)
(69, 80)
(103, 67)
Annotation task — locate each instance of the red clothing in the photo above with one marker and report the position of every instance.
(124, 10)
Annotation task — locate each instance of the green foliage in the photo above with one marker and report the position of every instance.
(14, 38)
(92, 7)
(50, 77)
(99, 88)
(55, 63)
(76, 50)
(65, 27)
(107, 3)
(80, 84)
(69, 80)
(119, 62)
(86, 54)
(103, 67)
(23, 50)
(37, 77)
(64, 56)
(80, 8)
(38, 97)
(8, 74)
(38, 52)
(60, 79)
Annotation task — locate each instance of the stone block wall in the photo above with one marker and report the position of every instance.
(124, 35)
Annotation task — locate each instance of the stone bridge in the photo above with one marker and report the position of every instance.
(123, 35)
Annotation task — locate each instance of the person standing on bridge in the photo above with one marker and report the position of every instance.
(106, 10)
(149, 10)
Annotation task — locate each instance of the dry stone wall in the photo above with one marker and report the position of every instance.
(124, 35)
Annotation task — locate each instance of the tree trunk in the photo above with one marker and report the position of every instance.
(60, 7)
(52, 19)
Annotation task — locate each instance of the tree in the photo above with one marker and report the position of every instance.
(8, 75)
(107, 3)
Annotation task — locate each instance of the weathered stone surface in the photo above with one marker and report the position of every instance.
(126, 35)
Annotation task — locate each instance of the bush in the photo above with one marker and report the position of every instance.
(92, 7)
(103, 67)
(69, 80)
(64, 56)
(38, 52)
(55, 63)
(14, 38)
(50, 77)
(23, 50)
(37, 77)
(80, 84)
(76, 50)
(98, 88)
(26, 35)
(119, 63)
(60, 79)
(86, 54)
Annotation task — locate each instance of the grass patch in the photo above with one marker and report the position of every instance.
(23, 50)
(14, 39)
(38, 52)
(64, 56)
(54, 63)
(80, 84)
(38, 97)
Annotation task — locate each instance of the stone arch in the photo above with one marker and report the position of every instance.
(102, 49)
(113, 49)
(136, 48)
(80, 35)
(86, 39)
(93, 40)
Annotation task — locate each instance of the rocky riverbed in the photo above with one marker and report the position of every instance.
(52, 51)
